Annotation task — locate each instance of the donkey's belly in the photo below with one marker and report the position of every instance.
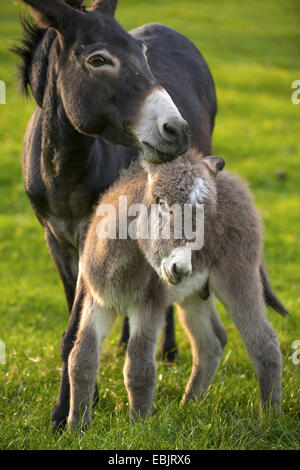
(187, 287)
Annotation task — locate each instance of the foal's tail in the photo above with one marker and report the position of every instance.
(269, 295)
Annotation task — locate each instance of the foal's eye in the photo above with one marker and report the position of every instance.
(98, 60)
(163, 205)
(144, 47)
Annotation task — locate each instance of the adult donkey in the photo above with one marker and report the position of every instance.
(97, 85)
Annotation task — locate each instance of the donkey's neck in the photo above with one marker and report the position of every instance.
(65, 152)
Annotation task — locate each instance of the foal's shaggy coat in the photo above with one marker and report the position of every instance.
(139, 278)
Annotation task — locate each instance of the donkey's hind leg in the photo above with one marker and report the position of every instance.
(125, 333)
(208, 339)
(168, 349)
(95, 325)
(243, 298)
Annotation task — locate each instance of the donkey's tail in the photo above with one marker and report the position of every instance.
(269, 295)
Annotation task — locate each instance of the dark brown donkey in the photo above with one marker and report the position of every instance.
(96, 85)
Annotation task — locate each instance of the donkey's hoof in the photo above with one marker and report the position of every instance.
(121, 349)
(168, 354)
(58, 421)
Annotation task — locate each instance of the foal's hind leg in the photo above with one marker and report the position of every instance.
(95, 325)
(208, 339)
(139, 369)
(168, 349)
(243, 297)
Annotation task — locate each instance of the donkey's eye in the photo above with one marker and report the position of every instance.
(98, 60)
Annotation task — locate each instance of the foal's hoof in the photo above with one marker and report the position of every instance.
(142, 415)
(77, 425)
(190, 398)
(270, 408)
(96, 396)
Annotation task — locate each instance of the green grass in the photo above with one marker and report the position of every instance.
(253, 51)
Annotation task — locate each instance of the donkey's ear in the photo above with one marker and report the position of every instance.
(51, 13)
(105, 6)
(215, 164)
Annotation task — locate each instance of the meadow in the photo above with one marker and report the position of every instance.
(253, 51)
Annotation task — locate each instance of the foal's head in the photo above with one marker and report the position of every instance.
(104, 81)
(183, 192)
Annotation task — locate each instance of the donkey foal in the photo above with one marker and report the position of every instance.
(140, 276)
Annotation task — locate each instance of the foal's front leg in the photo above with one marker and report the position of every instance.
(140, 369)
(95, 325)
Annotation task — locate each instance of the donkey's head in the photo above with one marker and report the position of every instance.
(180, 193)
(104, 81)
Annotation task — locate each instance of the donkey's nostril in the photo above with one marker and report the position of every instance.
(175, 132)
(170, 130)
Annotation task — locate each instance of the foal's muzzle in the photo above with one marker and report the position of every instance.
(161, 130)
(177, 266)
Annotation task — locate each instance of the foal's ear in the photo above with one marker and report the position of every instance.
(51, 13)
(75, 3)
(105, 6)
(215, 164)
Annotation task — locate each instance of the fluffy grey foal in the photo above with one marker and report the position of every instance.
(139, 277)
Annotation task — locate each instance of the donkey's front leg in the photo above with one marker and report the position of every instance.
(140, 369)
(95, 325)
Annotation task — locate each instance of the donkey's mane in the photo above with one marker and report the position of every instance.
(26, 46)
(25, 49)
